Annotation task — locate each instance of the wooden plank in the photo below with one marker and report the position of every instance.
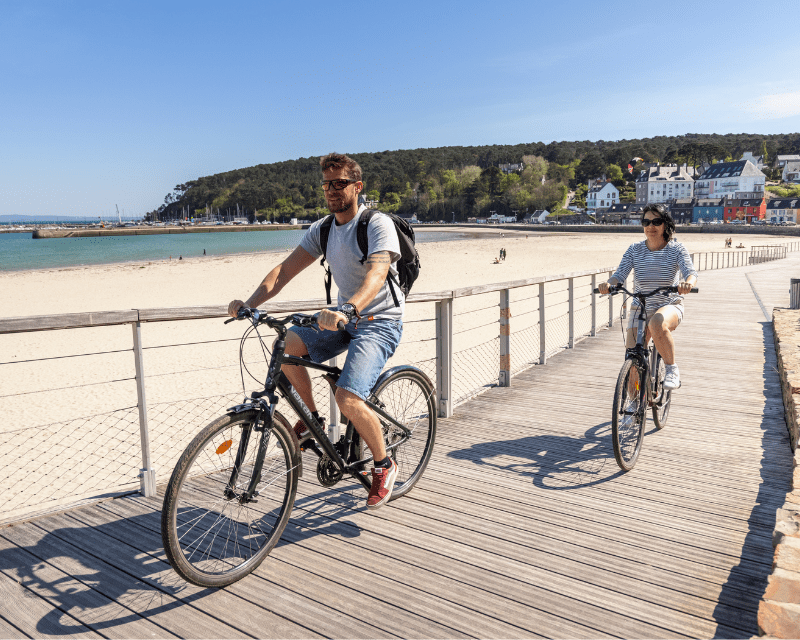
(27, 606)
(66, 321)
(71, 581)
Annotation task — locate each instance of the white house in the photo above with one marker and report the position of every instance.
(791, 171)
(601, 195)
(782, 160)
(756, 160)
(783, 210)
(727, 179)
(538, 216)
(660, 184)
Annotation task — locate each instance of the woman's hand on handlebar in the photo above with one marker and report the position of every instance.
(685, 287)
(603, 287)
(329, 320)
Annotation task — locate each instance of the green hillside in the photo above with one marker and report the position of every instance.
(447, 182)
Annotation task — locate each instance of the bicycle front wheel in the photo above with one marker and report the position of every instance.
(661, 397)
(409, 398)
(628, 415)
(211, 537)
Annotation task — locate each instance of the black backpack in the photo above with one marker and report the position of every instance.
(407, 266)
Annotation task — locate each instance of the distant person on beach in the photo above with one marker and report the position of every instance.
(658, 261)
(366, 304)
(204, 252)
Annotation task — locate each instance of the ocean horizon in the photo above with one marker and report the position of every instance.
(20, 252)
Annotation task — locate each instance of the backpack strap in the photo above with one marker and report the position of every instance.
(324, 232)
(363, 244)
(361, 232)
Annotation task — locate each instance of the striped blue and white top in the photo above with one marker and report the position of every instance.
(652, 269)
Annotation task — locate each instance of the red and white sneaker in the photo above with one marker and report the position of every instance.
(302, 432)
(382, 485)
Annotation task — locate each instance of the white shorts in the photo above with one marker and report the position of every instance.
(633, 314)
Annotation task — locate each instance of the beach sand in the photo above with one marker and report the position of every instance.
(69, 396)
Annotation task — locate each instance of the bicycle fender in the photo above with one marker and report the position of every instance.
(297, 457)
(402, 367)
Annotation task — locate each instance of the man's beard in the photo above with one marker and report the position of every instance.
(340, 206)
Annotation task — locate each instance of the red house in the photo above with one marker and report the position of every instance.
(747, 210)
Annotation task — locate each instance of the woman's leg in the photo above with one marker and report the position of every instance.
(660, 327)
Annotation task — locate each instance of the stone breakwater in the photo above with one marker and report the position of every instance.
(779, 609)
(151, 231)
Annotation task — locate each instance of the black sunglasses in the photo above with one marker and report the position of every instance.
(646, 222)
(337, 185)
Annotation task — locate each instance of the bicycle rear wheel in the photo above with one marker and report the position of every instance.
(661, 397)
(409, 398)
(211, 539)
(628, 415)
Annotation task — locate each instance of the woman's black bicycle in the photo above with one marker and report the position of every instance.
(231, 493)
(639, 386)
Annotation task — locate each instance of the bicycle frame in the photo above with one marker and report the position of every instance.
(277, 381)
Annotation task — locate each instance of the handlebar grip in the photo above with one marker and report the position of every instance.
(595, 290)
(340, 326)
(694, 290)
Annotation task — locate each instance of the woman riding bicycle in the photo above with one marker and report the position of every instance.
(658, 261)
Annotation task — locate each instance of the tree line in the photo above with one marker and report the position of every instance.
(449, 183)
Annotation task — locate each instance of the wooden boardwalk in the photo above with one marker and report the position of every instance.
(523, 525)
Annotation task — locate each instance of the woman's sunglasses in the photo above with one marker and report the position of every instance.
(646, 222)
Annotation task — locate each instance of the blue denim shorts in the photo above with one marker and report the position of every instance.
(368, 348)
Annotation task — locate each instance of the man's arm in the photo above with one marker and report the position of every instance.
(377, 269)
(276, 280)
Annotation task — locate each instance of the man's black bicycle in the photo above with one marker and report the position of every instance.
(231, 493)
(639, 386)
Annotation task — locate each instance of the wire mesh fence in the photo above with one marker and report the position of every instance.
(191, 377)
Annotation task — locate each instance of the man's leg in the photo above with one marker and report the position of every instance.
(298, 376)
(364, 420)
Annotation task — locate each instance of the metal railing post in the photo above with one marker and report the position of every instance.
(505, 338)
(594, 305)
(571, 295)
(444, 357)
(542, 327)
(147, 475)
(333, 421)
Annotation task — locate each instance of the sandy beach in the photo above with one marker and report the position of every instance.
(69, 400)
(215, 281)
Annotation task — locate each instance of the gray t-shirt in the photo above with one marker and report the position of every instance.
(344, 258)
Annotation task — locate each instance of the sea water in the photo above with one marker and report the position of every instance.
(19, 251)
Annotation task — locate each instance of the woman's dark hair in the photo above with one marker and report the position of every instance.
(663, 212)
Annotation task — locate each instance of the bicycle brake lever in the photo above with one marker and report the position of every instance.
(229, 320)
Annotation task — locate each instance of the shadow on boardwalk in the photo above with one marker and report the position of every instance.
(762, 517)
(552, 461)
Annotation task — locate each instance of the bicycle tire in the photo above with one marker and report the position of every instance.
(213, 541)
(628, 417)
(409, 397)
(662, 398)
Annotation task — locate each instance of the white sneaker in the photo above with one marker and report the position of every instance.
(672, 380)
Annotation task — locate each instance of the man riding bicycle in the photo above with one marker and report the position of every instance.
(372, 313)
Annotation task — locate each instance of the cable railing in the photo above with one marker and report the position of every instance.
(114, 428)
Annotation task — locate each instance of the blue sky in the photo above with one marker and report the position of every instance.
(108, 103)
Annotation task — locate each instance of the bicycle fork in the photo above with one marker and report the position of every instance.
(264, 416)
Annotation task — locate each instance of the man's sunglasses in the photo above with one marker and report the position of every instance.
(646, 222)
(336, 185)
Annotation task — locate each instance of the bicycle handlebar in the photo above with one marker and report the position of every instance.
(616, 288)
(257, 316)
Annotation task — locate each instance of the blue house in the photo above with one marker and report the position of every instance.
(708, 209)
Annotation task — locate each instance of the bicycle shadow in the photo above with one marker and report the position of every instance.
(554, 462)
(72, 568)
